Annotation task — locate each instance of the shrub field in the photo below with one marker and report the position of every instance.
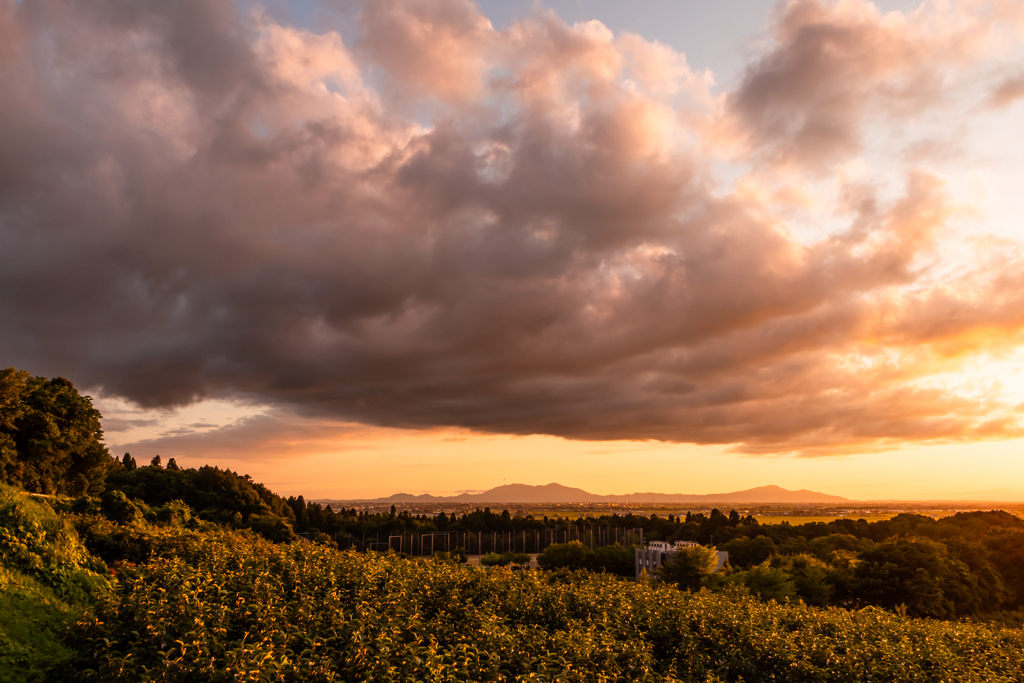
(228, 606)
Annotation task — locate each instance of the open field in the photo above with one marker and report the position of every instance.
(810, 519)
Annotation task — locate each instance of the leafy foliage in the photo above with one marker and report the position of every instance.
(36, 542)
(214, 494)
(574, 555)
(218, 606)
(46, 578)
(918, 573)
(50, 436)
(490, 560)
(32, 624)
(687, 567)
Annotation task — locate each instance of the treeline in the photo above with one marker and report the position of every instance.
(226, 497)
(213, 495)
(967, 564)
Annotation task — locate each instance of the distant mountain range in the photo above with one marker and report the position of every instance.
(556, 493)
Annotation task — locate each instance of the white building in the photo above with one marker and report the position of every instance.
(658, 553)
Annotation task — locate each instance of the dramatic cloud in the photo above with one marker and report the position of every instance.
(834, 67)
(266, 437)
(523, 231)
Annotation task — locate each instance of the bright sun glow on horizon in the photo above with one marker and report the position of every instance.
(369, 462)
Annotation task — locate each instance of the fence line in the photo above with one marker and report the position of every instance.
(481, 543)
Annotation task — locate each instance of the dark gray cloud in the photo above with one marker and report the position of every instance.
(196, 204)
(120, 424)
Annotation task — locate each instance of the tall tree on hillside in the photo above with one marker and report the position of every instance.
(50, 436)
(12, 407)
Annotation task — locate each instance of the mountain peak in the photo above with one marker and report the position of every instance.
(559, 493)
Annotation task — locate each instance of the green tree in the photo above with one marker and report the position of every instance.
(811, 578)
(983, 588)
(571, 555)
(12, 407)
(1007, 554)
(216, 495)
(272, 528)
(747, 552)
(615, 559)
(687, 567)
(917, 573)
(770, 583)
(823, 547)
(50, 436)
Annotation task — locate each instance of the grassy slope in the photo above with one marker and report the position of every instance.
(46, 580)
(32, 624)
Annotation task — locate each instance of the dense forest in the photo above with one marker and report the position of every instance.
(113, 570)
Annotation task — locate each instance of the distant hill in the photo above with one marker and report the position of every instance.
(557, 493)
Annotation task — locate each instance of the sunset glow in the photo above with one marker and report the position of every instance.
(436, 246)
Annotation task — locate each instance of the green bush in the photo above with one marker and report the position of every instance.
(457, 556)
(615, 559)
(518, 559)
(36, 542)
(117, 508)
(571, 555)
(490, 560)
(174, 512)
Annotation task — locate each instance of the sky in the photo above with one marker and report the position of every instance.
(436, 246)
